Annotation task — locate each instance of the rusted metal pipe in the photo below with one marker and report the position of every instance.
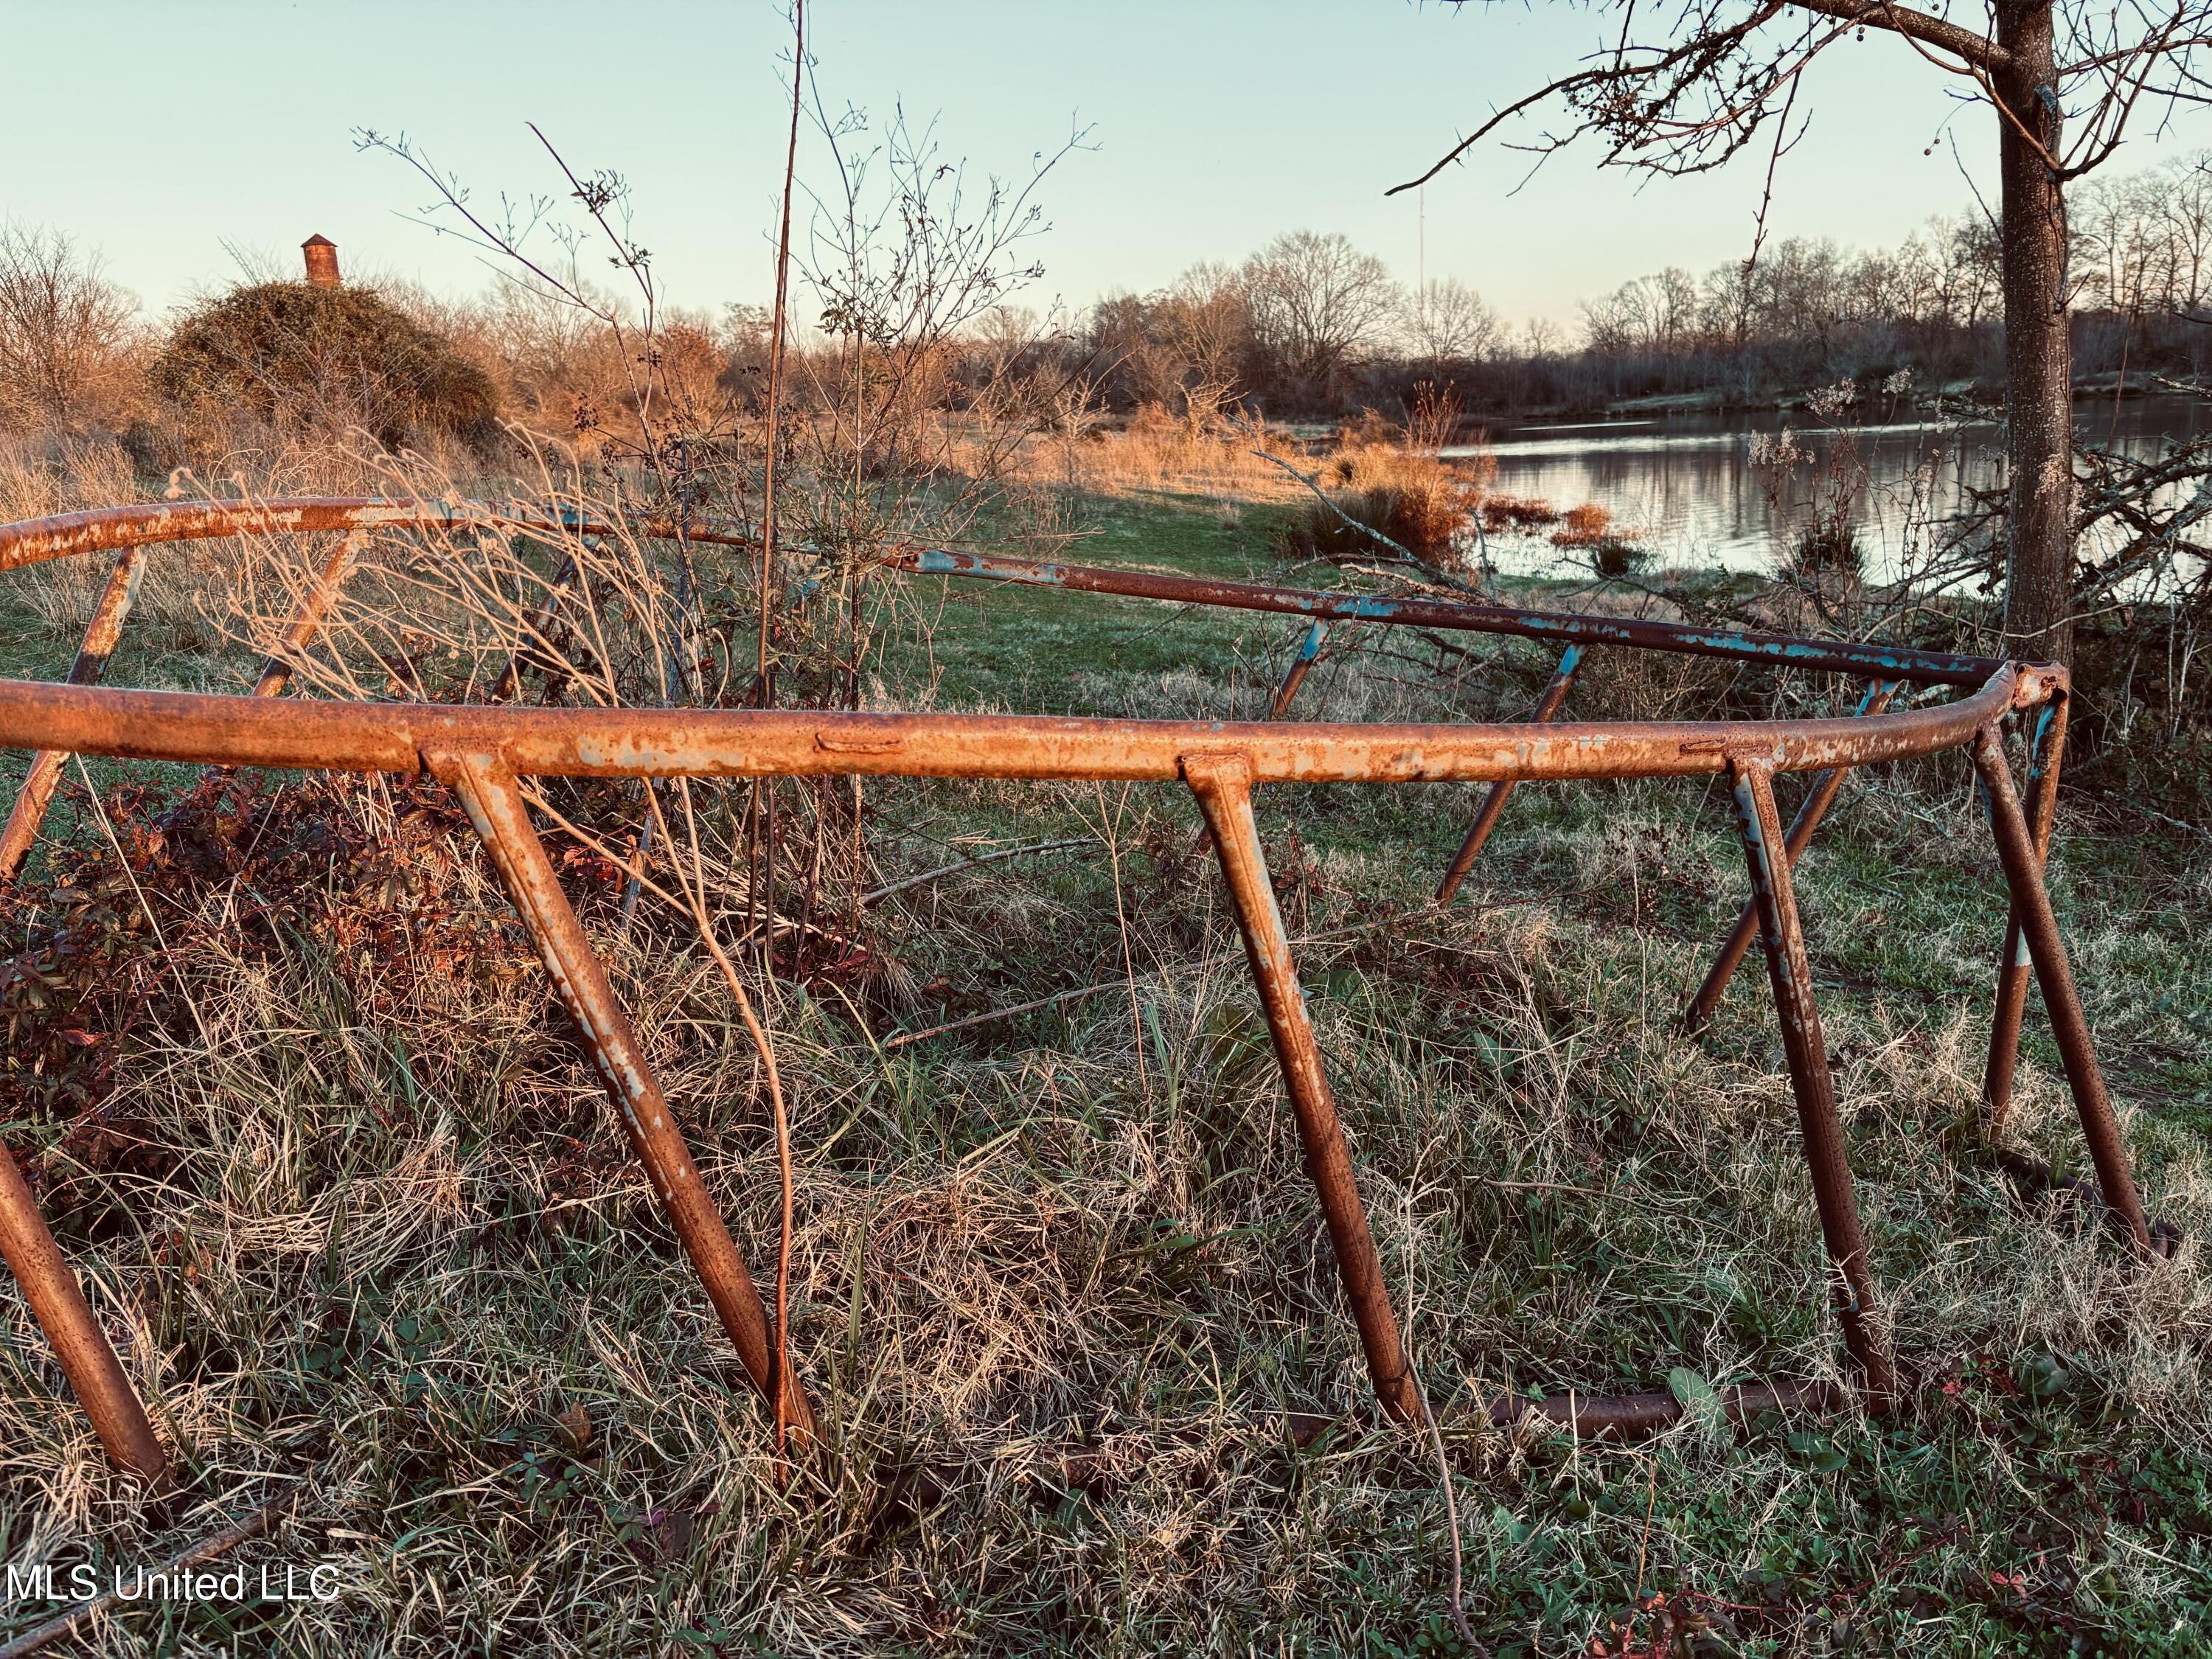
(1780, 650)
(479, 749)
(487, 787)
(44, 775)
(1817, 801)
(2030, 902)
(797, 743)
(1817, 1123)
(2046, 752)
(276, 669)
(34, 541)
(1493, 804)
(1309, 653)
(87, 1357)
(1223, 784)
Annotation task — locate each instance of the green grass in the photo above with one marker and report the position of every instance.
(372, 1231)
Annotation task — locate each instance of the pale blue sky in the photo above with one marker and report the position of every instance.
(158, 131)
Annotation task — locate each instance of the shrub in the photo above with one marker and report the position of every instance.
(1586, 527)
(1612, 555)
(294, 354)
(1422, 519)
(2141, 734)
(1589, 529)
(1826, 546)
(1369, 429)
(1503, 512)
(70, 340)
(1419, 502)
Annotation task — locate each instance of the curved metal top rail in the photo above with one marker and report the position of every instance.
(35, 541)
(648, 741)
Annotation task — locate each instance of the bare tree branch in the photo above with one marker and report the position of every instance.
(1976, 49)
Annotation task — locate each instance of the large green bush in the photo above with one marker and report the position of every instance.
(291, 354)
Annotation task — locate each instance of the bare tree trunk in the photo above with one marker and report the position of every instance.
(2039, 353)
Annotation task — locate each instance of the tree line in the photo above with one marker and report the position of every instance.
(1309, 326)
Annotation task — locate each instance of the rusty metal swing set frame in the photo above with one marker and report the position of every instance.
(480, 751)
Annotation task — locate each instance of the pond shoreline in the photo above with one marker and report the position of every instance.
(1733, 490)
(1931, 399)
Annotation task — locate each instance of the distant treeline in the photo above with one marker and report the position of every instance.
(1310, 327)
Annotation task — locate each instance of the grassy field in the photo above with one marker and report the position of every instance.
(355, 1210)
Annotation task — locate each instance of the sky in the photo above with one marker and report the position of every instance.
(167, 135)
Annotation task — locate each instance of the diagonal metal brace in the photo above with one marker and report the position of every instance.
(2046, 753)
(2077, 1051)
(1805, 1049)
(487, 789)
(45, 774)
(1817, 802)
(87, 1356)
(1493, 803)
(1223, 784)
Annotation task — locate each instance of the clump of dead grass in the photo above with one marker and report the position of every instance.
(1589, 529)
(1502, 513)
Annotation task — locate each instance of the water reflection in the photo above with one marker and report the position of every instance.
(1690, 487)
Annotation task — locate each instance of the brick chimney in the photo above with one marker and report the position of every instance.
(322, 261)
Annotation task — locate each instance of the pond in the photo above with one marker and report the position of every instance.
(1704, 489)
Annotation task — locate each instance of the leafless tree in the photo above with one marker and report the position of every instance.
(67, 334)
(1318, 302)
(2188, 215)
(541, 256)
(1208, 319)
(1685, 86)
(1187, 349)
(1656, 313)
(1447, 320)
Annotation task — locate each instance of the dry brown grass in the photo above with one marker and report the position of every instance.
(1503, 512)
(1584, 527)
(1401, 491)
(1160, 455)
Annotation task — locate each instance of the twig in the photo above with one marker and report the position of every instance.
(1108, 830)
(207, 1549)
(1643, 1544)
(1783, 145)
(928, 876)
(765, 790)
(1366, 529)
(1199, 966)
(694, 891)
(152, 921)
(1443, 1465)
(776, 335)
(986, 1018)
